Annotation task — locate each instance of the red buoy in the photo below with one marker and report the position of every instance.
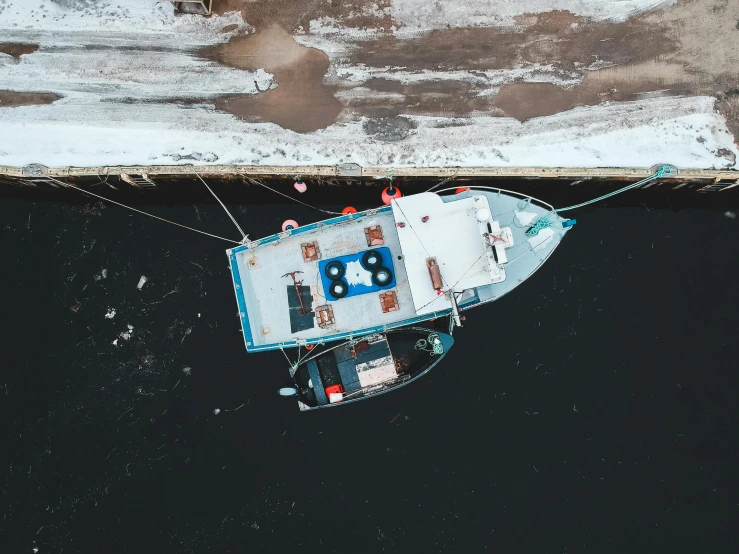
(390, 193)
(289, 224)
(349, 210)
(310, 346)
(461, 189)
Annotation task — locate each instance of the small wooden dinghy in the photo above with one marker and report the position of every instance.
(364, 368)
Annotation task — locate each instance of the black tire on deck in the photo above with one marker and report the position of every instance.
(372, 260)
(334, 270)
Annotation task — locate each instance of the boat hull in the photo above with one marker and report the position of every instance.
(282, 294)
(367, 368)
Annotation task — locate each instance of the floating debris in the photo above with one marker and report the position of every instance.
(110, 314)
(216, 411)
(187, 370)
(142, 282)
(730, 214)
(126, 335)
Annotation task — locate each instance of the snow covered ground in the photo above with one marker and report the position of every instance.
(649, 132)
(135, 93)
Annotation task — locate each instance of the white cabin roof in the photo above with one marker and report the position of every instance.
(454, 236)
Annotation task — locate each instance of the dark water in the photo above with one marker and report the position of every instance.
(593, 410)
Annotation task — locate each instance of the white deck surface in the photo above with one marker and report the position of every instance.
(453, 236)
(266, 296)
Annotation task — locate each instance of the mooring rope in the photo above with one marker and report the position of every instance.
(83, 191)
(432, 345)
(445, 181)
(544, 222)
(244, 236)
(256, 182)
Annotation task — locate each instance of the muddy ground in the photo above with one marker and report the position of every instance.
(12, 99)
(301, 102)
(17, 50)
(689, 48)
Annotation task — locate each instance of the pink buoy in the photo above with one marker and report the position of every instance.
(289, 224)
(300, 186)
(390, 193)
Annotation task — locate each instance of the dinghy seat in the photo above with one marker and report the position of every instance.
(347, 370)
(317, 383)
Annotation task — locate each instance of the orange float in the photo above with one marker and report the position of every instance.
(289, 225)
(390, 193)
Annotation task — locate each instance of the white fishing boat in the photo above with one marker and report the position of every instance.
(422, 257)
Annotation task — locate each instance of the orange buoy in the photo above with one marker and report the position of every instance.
(289, 224)
(310, 346)
(349, 210)
(461, 189)
(300, 186)
(390, 193)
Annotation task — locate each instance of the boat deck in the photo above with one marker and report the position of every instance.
(268, 300)
(478, 240)
(527, 253)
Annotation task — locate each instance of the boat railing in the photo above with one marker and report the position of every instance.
(526, 197)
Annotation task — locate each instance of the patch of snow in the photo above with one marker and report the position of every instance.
(110, 314)
(525, 218)
(100, 72)
(335, 47)
(540, 240)
(414, 16)
(264, 80)
(493, 78)
(115, 342)
(119, 50)
(357, 275)
(153, 17)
